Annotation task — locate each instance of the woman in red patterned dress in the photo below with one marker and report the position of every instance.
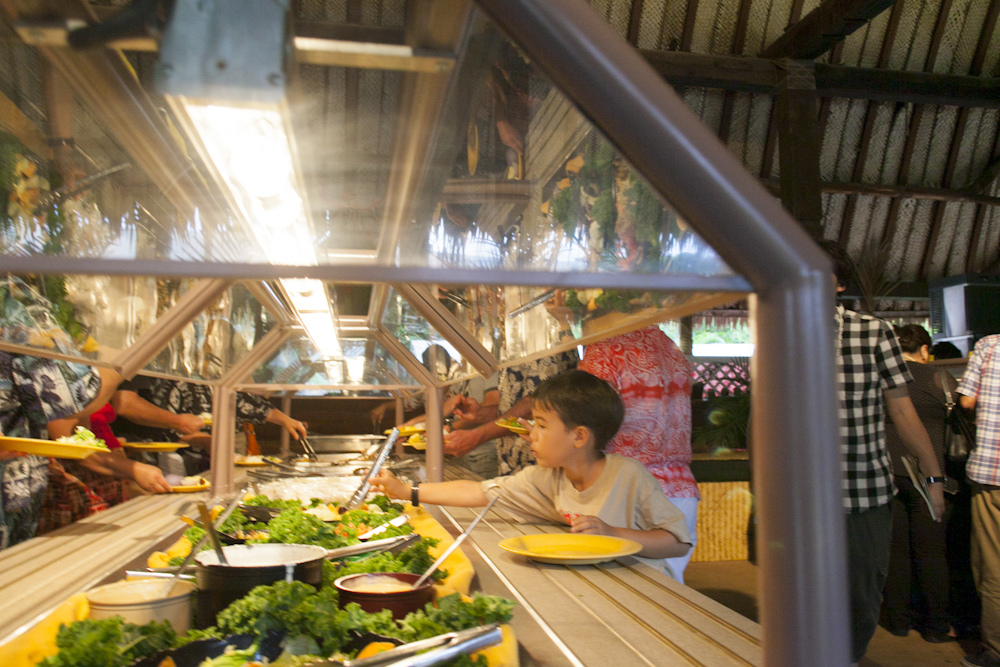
(654, 379)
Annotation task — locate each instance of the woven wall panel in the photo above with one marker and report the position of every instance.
(913, 37)
(723, 516)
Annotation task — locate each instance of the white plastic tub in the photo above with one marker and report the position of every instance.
(140, 601)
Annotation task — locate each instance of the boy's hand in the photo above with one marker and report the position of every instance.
(590, 525)
(390, 485)
(528, 425)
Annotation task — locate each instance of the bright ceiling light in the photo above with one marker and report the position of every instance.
(222, 67)
(251, 152)
(356, 369)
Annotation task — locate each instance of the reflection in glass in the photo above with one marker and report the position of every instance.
(365, 362)
(410, 328)
(216, 339)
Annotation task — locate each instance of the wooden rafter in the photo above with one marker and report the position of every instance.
(761, 75)
(917, 118)
(739, 40)
(960, 124)
(687, 36)
(871, 113)
(771, 143)
(898, 192)
(634, 21)
(824, 27)
(985, 180)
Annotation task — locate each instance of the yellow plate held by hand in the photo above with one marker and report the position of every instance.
(570, 548)
(192, 488)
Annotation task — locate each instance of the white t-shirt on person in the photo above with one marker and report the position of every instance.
(626, 495)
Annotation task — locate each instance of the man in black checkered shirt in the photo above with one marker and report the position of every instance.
(870, 368)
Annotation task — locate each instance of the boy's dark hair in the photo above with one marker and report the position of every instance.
(582, 399)
(912, 337)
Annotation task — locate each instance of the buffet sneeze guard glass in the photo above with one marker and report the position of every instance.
(495, 178)
(365, 369)
(219, 337)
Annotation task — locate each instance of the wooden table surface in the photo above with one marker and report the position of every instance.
(622, 612)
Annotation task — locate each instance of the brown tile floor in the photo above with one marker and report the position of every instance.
(734, 584)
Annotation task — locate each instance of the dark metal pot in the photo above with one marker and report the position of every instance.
(252, 565)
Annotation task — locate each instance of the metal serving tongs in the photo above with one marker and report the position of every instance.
(308, 449)
(366, 485)
(438, 649)
(197, 548)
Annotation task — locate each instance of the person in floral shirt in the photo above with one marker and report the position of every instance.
(653, 378)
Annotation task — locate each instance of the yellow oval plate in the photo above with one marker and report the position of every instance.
(156, 446)
(268, 460)
(408, 430)
(192, 488)
(570, 548)
(512, 425)
(417, 441)
(48, 448)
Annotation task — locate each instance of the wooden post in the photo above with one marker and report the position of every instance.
(799, 145)
(400, 418)
(223, 439)
(435, 440)
(286, 407)
(686, 343)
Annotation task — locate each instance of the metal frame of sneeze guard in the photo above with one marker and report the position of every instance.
(796, 461)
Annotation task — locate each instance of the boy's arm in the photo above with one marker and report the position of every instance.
(460, 493)
(655, 543)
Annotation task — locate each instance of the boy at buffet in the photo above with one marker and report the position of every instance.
(576, 414)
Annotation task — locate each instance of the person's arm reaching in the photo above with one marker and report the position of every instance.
(138, 410)
(460, 443)
(110, 379)
(915, 439)
(461, 493)
(150, 478)
(655, 543)
(296, 428)
(967, 402)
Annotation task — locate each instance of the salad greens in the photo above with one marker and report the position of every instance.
(300, 611)
(293, 526)
(82, 436)
(264, 501)
(414, 559)
(109, 643)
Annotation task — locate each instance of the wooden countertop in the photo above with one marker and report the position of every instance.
(36, 576)
(585, 615)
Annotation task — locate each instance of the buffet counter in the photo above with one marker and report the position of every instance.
(571, 616)
(38, 575)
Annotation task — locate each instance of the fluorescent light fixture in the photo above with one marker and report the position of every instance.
(356, 369)
(251, 151)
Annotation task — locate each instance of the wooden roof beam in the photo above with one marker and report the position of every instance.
(896, 192)
(761, 75)
(821, 29)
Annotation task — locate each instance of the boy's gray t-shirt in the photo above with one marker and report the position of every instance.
(626, 495)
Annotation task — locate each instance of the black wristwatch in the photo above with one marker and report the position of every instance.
(936, 480)
(415, 495)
